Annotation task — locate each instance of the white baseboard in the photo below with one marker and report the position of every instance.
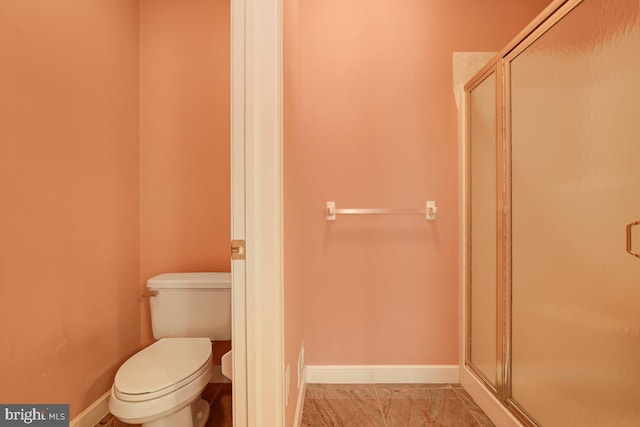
(382, 374)
(491, 406)
(297, 419)
(93, 414)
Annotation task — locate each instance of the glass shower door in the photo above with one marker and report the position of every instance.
(575, 186)
(483, 340)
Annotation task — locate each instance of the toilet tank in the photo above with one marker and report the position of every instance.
(191, 305)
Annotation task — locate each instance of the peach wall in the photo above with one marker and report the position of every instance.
(69, 193)
(184, 139)
(115, 166)
(379, 129)
(293, 244)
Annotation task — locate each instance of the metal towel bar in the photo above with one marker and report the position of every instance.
(429, 211)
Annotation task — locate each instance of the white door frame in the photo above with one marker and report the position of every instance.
(256, 206)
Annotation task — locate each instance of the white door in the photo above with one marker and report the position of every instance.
(256, 212)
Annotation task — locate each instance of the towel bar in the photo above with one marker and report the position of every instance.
(429, 211)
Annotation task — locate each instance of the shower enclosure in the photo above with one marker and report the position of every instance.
(553, 203)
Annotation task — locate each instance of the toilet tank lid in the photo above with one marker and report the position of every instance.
(190, 281)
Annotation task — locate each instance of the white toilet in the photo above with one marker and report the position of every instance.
(160, 386)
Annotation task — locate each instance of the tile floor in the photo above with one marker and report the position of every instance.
(219, 398)
(366, 405)
(390, 405)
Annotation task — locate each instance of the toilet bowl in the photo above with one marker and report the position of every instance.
(161, 385)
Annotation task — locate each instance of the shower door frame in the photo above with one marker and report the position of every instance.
(493, 67)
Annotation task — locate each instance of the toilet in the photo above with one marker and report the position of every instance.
(161, 385)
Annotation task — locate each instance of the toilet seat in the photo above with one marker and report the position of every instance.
(161, 380)
(162, 368)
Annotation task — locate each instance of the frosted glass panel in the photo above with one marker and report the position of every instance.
(482, 293)
(575, 186)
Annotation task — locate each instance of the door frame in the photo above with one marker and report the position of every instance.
(257, 212)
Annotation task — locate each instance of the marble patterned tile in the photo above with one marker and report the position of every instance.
(443, 385)
(422, 405)
(341, 391)
(366, 405)
(466, 398)
(441, 393)
(400, 391)
(341, 412)
(341, 405)
(473, 408)
(481, 418)
(444, 408)
(403, 404)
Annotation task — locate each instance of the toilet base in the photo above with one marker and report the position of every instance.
(194, 415)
